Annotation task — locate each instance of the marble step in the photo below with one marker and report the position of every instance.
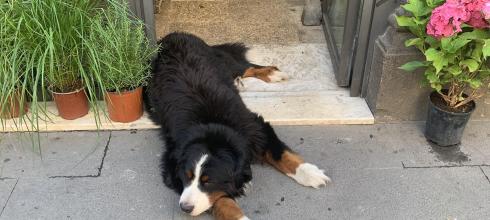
(309, 108)
(280, 108)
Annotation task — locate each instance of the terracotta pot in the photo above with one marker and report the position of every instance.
(71, 105)
(13, 110)
(125, 106)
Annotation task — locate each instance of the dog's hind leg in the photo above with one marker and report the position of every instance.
(286, 161)
(237, 52)
(227, 209)
(268, 74)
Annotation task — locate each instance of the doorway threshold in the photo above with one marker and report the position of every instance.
(309, 97)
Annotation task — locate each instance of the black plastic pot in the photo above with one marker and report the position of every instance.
(443, 127)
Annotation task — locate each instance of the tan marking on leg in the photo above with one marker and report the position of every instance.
(227, 209)
(262, 73)
(215, 196)
(287, 164)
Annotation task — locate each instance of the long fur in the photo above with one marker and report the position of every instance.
(192, 97)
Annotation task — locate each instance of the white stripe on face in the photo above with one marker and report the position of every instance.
(192, 195)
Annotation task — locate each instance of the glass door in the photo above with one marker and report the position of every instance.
(341, 24)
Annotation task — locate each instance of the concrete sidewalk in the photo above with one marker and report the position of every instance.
(385, 171)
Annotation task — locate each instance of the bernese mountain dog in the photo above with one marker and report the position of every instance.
(211, 137)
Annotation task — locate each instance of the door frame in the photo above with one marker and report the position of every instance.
(144, 9)
(343, 59)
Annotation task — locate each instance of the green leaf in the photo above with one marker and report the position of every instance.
(475, 34)
(471, 64)
(452, 45)
(455, 70)
(434, 3)
(437, 58)
(417, 42)
(413, 65)
(475, 83)
(436, 86)
(417, 8)
(486, 48)
(477, 52)
(431, 76)
(434, 43)
(404, 21)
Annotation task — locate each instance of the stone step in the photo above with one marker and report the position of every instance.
(280, 108)
(309, 108)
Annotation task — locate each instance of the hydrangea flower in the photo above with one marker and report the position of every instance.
(475, 8)
(446, 20)
(486, 10)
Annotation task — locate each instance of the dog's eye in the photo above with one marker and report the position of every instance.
(189, 174)
(205, 180)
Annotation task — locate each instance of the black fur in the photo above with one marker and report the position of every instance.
(193, 98)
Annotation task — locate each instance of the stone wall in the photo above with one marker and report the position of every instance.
(397, 95)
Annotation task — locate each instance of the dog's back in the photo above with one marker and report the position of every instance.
(189, 86)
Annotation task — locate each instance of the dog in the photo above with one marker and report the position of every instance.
(211, 137)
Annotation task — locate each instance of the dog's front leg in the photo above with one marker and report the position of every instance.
(295, 167)
(227, 209)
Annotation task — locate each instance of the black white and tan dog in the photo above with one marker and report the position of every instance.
(211, 136)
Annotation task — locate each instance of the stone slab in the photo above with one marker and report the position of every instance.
(308, 66)
(472, 151)
(454, 193)
(486, 171)
(87, 122)
(311, 109)
(143, 197)
(364, 161)
(383, 146)
(6, 188)
(133, 153)
(53, 154)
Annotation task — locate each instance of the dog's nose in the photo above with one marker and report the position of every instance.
(186, 207)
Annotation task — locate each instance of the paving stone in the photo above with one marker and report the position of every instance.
(486, 171)
(364, 162)
(55, 154)
(447, 193)
(143, 197)
(384, 146)
(6, 187)
(133, 153)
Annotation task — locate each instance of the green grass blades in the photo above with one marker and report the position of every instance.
(121, 51)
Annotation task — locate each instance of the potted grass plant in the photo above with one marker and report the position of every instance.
(12, 72)
(455, 39)
(54, 31)
(124, 60)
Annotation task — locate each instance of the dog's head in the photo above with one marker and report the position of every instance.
(214, 164)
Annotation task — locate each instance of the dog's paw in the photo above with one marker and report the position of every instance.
(308, 174)
(278, 76)
(244, 218)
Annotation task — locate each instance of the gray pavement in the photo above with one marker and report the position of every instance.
(384, 171)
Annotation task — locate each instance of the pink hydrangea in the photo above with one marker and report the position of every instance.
(486, 10)
(446, 20)
(475, 8)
